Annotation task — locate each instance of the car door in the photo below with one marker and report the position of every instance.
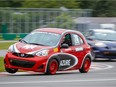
(75, 52)
(67, 56)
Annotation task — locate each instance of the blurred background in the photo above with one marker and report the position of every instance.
(19, 17)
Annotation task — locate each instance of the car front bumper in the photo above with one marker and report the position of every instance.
(35, 63)
(111, 54)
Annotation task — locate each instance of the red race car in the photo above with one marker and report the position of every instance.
(49, 50)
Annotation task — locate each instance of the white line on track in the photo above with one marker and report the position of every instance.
(57, 81)
(96, 66)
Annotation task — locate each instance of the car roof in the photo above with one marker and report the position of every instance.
(52, 30)
(56, 30)
(103, 30)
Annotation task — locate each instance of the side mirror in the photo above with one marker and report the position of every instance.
(64, 46)
(20, 39)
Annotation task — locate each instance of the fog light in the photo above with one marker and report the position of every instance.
(40, 67)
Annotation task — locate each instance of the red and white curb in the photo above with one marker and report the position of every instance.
(94, 67)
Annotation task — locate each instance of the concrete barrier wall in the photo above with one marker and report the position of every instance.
(12, 36)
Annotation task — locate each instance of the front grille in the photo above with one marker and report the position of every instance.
(111, 48)
(23, 55)
(21, 63)
(110, 53)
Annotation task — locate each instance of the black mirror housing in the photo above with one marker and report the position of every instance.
(64, 46)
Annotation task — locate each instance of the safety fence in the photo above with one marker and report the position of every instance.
(24, 20)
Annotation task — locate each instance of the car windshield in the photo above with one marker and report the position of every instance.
(42, 38)
(106, 36)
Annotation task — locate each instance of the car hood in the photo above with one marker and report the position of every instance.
(28, 48)
(109, 43)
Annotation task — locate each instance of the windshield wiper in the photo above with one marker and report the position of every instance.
(110, 40)
(36, 44)
(23, 41)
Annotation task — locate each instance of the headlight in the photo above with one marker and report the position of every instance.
(42, 53)
(10, 49)
(99, 44)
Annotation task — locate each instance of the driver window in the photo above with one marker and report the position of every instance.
(67, 40)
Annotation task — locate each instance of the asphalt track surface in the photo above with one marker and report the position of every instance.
(101, 74)
(3, 53)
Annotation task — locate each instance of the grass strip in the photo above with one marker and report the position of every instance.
(2, 64)
(5, 45)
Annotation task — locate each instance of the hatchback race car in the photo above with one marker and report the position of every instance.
(49, 50)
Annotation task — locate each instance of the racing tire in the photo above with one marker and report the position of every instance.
(86, 65)
(52, 67)
(9, 70)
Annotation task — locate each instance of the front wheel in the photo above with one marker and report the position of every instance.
(52, 67)
(9, 70)
(86, 65)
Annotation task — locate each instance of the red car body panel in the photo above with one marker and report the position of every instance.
(23, 58)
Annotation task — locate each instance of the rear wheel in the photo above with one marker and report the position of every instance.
(52, 67)
(86, 65)
(9, 70)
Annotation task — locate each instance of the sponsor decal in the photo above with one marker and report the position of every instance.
(79, 49)
(69, 49)
(55, 49)
(66, 50)
(15, 48)
(29, 47)
(46, 33)
(65, 62)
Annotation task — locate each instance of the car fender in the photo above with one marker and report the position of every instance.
(89, 55)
